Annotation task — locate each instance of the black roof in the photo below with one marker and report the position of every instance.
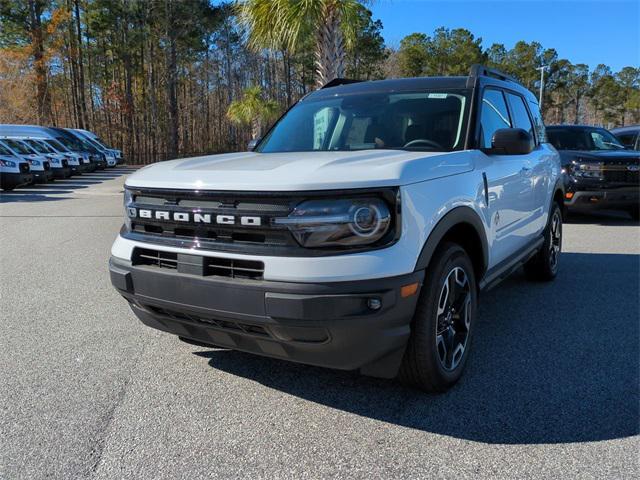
(626, 129)
(479, 75)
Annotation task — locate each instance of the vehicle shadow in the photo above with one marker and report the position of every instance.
(608, 218)
(552, 363)
(51, 191)
(31, 196)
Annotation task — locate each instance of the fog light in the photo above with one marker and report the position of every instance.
(374, 303)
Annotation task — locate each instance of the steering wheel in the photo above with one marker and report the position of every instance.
(423, 141)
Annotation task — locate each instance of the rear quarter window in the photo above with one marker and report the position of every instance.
(538, 124)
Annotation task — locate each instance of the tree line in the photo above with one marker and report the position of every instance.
(167, 78)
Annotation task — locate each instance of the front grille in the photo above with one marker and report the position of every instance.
(199, 265)
(228, 221)
(46, 165)
(24, 168)
(620, 173)
(215, 235)
(221, 324)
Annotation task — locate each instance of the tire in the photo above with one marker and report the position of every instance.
(544, 265)
(431, 361)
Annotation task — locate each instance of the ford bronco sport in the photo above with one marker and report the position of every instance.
(359, 231)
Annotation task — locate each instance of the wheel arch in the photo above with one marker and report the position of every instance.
(461, 225)
(558, 192)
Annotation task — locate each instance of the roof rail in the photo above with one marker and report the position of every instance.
(340, 81)
(478, 70)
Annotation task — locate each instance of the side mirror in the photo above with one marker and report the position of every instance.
(252, 144)
(511, 141)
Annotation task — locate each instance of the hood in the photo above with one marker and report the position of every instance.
(294, 171)
(604, 156)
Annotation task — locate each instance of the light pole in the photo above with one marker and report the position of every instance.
(542, 68)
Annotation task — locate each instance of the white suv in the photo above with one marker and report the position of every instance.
(357, 234)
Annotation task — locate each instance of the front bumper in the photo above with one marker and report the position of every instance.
(42, 176)
(62, 172)
(12, 180)
(323, 324)
(100, 164)
(603, 198)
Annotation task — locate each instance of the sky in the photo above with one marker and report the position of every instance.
(582, 31)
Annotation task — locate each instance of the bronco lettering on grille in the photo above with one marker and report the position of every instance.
(192, 217)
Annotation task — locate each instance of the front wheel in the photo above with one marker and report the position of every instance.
(544, 265)
(441, 329)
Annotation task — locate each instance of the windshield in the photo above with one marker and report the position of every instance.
(56, 145)
(95, 141)
(93, 144)
(423, 121)
(19, 147)
(36, 146)
(99, 141)
(74, 145)
(583, 139)
(5, 151)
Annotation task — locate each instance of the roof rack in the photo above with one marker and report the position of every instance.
(478, 70)
(340, 81)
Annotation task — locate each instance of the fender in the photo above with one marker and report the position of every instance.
(559, 187)
(459, 215)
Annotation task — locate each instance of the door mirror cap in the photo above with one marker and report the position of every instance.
(511, 141)
(252, 144)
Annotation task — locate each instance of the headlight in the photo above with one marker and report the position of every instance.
(35, 162)
(127, 200)
(343, 222)
(7, 163)
(587, 170)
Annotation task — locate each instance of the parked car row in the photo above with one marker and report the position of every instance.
(34, 154)
(601, 168)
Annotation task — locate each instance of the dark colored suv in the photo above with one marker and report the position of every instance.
(599, 172)
(629, 136)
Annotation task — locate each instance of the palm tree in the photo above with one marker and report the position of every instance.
(283, 24)
(253, 110)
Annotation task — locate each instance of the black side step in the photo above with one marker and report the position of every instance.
(505, 268)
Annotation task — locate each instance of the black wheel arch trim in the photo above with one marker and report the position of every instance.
(457, 216)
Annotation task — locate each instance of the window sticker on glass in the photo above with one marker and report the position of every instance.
(437, 95)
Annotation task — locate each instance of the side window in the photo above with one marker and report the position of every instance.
(519, 113)
(628, 140)
(541, 134)
(493, 116)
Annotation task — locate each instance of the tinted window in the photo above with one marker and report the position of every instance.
(494, 116)
(19, 147)
(627, 139)
(537, 122)
(56, 145)
(427, 120)
(583, 139)
(519, 113)
(5, 151)
(36, 146)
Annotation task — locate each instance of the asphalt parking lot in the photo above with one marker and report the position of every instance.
(89, 392)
